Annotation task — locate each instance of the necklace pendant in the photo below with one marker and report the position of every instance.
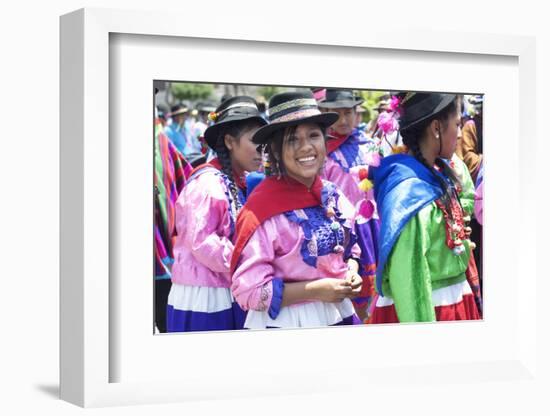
(335, 226)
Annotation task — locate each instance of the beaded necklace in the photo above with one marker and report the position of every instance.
(454, 221)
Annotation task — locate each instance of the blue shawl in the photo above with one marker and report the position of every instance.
(402, 187)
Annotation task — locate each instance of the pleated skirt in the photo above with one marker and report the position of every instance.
(305, 315)
(196, 308)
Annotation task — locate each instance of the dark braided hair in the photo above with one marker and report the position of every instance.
(275, 148)
(236, 130)
(411, 138)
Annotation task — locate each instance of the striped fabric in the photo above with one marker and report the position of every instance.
(171, 170)
(451, 303)
(196, 308)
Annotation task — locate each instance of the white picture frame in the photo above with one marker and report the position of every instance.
(87, 305)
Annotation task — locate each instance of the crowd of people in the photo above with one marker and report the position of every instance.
(301, 214)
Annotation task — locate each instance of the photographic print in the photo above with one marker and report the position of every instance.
(108, 277)
(300, 207)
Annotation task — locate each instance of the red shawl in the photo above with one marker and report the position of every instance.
(335, 140)
(271, 197)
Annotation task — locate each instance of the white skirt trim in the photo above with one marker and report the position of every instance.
(200, 299)
(445, 296)
(305, 315)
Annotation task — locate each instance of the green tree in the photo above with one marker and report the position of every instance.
(371, 102)
(191, 91)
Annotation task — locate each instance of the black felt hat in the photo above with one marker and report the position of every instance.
(231, 110)
(178, 109)
(335, 98)
(290, 109)
(420, 106)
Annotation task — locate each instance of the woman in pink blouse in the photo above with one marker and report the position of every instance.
(206, 211)
(295, 260)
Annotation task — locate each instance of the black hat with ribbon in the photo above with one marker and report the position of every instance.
(335, 98)
(178, 109)
(290, 109)
(234, 109)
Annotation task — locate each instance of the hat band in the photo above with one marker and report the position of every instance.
(178, 112)
(244, 105)
(339, 97)
(310, 112)
(238, 112)
(301, 102)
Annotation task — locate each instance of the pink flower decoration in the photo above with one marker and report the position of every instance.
(394, 103)
(387, 122)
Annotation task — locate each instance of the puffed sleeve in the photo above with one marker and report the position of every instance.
(254, 285)
(203, 221)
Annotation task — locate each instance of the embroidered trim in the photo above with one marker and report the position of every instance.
(319, 238)
(264, 296)
(294, 103)
(296, 115)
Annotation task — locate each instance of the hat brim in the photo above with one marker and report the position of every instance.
(447, 99)
(212, 132)
(340, 104)
(176, 113)
(263, 135)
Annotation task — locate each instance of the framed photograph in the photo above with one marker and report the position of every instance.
(109, 352)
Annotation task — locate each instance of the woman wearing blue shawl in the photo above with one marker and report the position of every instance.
(423, 244)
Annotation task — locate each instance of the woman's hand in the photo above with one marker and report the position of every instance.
(355, 282)
(329, 289)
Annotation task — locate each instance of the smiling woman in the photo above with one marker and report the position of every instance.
(307, 275)
(300, 152)
(206, 210)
